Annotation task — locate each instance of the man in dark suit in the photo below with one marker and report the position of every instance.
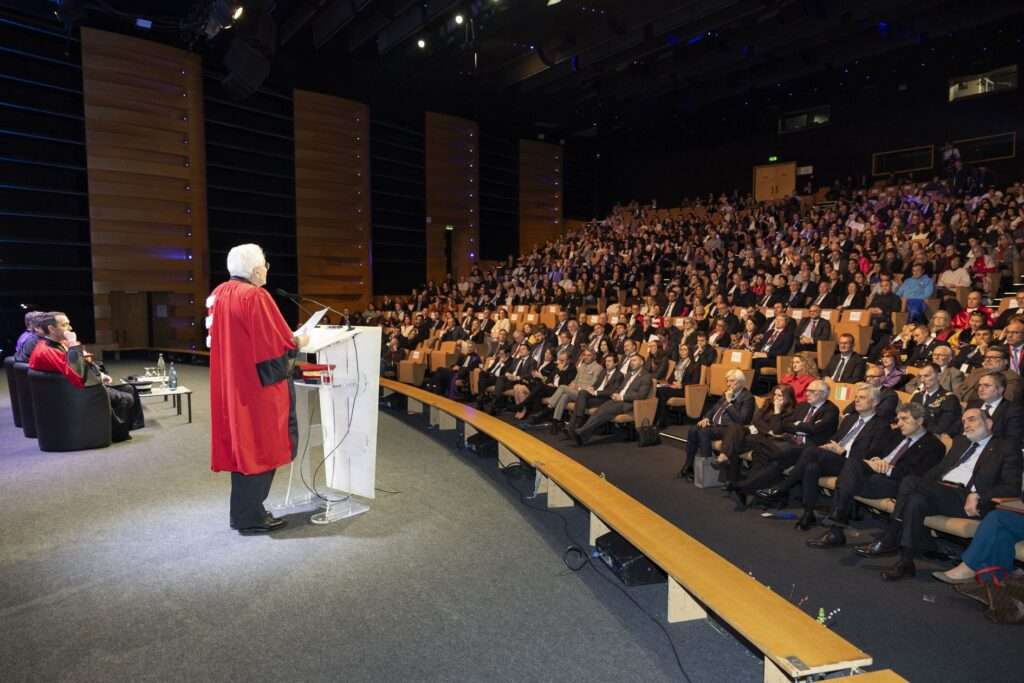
(909, 450)
(493, 369)
(608, 383)
(978, 469)
(795, 298)
(860, 436)
(824, 297)
(812, 329)
(941, 408)
(846, 366)
(924, 343)
(1007, 417)
(673, 306)
(994, 360)
(519, 369)
(888, 400)
(736, 406)
(812, 423)
(882, 304)
(703, 353)
(777, 342)
(636, 386)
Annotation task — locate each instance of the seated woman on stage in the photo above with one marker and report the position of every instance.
(803, 370)
(767, 426)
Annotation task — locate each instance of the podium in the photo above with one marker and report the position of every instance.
(337, 420)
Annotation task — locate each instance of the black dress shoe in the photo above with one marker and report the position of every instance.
(878, 549)
(555, 429)
(768, 494)
(741, 501)
(575, 435)
(833, 538)
(900, 570)
(806, 521)
(269, 524)
(686, 472)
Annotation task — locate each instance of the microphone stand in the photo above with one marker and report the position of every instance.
(286, 295)
(332, 309)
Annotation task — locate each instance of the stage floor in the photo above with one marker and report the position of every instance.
(118, 564)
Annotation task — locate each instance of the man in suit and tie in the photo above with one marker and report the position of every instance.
(576, 334)
(995, 360)
(812, 423)
(1013, 336)
(588, 372)
(562, 325)
(519, 369)
(494, 369)
(971, 356)
(673, 306)
(608, 382)
(703, 353)
(812, 329)
(628, 351)
(770, 296)
(824, 298)
(795, 297)
(564, 346)
(941, 408)
(636, 386)
(736, 406)
(846, 366)
(1007, 417)
(978, 470)
(910, 450)
(777, 342)
(860, 435)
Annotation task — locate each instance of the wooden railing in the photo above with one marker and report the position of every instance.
(794, 645)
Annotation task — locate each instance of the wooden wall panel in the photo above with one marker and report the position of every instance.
(540, 194)
(332, 199)
(146, 163)
(453, 193)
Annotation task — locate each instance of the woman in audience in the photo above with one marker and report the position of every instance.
(553, 371)
(803, 369)
(657, 362)
(750, 339)
(894, 375)
(502, 324)
(768, 421)
(854, 298)
(685, 372)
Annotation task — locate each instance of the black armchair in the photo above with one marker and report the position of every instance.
(12, 387)
(28, 416)
(68, 418)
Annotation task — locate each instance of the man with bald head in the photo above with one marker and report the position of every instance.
(978, 469)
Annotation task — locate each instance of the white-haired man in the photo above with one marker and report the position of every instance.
(735, 407)
(252, 399)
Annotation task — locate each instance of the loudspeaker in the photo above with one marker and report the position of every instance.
(626, 562)
(483, 445)
(246, 68)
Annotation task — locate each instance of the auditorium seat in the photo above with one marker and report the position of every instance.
(12, 388)
(28, 416)
(69, 418)
(413, 369)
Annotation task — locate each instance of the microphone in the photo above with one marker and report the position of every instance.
(294, 296)
(294, 299)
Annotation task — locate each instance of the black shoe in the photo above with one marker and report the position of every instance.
(768, 493)
(900, 570)
(269, 524)
(574, 435)
(878, 549)
(555, 428)
(686, 473)
(741, 501)
(806, 521)
(833, 538)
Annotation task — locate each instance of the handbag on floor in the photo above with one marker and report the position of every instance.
(647, 434)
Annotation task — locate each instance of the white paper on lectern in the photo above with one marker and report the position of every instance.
(348, 408)
(322, 337)
(311, 323)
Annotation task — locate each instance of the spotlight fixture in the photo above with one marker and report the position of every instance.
(459, 19)
(237, 14)
(421, 44)
(220, 16)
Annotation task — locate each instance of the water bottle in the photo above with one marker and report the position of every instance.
(172, 378)
(161, 366)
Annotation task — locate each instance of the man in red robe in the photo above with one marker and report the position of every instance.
(252, 399)
(59, 351)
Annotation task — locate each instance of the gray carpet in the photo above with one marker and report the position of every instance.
(118, 564)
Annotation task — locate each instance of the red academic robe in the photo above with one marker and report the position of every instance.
(252, 404)
(50, 356)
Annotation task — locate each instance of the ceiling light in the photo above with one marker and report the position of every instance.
(237, 14)
(552, 3)
(421, 43)
(459, 19)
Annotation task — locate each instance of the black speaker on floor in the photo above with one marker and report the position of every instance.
(483, 445)
(626, 562)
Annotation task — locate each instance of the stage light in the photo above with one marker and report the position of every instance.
(421, 44)
(552, 3)
(237, 14)
(459, 19)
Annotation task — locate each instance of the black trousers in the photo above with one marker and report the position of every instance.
(664, 394)
(813, 462)
(248, 491)
(857, 479)
(585, 401)
(917, 499)
(771, 458)
(485, 380)
(699, 439)
(125, 411)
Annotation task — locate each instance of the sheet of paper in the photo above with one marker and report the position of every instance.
(311, 323)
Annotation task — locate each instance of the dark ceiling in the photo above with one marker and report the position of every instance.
(566, 67)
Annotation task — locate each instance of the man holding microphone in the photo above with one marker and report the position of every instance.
(252, 398)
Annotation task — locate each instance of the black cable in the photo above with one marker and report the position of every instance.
(589, 562)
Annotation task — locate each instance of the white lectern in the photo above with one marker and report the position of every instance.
(339, 449)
